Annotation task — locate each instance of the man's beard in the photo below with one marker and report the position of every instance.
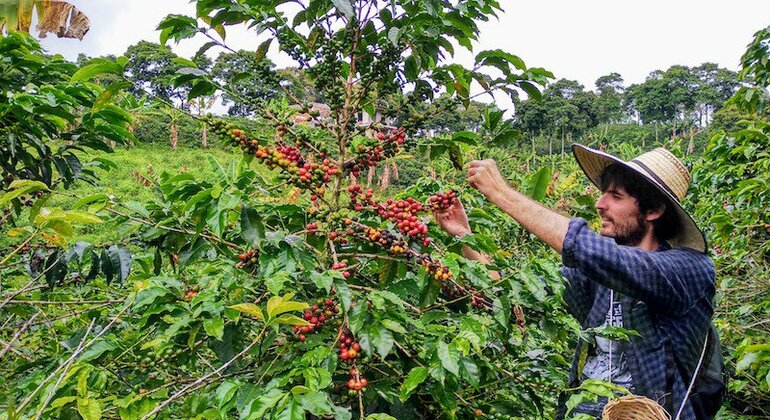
(629, 234)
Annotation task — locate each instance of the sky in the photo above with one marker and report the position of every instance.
(577, 40)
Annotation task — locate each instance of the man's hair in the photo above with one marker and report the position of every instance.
(647, 198)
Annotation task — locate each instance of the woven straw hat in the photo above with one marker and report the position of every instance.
(664, 171)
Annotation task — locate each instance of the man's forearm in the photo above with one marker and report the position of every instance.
(548, 225)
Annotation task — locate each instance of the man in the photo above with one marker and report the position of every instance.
(645, 271)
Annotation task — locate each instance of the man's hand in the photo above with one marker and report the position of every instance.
(484, 176)
(453, 220)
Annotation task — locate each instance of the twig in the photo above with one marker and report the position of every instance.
(65, 302)
(64, 372)
(17, 352)
(72, 357)
(204, 378)
(369, 289)
(17, 334)
(171, 229)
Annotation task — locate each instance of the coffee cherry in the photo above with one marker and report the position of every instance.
(443, 201)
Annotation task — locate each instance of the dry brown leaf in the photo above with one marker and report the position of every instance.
(63, 19)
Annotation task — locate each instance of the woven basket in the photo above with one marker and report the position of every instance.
(634, 407)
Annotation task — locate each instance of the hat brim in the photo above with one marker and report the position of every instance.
(593, 162)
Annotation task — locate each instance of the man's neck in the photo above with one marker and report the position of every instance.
(649, 243)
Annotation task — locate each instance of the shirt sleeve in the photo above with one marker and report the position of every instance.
(671, 280)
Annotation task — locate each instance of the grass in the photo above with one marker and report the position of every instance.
(125, 181)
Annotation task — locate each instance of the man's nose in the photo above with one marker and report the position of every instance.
(601, 203)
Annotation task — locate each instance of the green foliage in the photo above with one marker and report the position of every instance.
(50, 111)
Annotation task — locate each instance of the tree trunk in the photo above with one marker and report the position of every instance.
(562, 141)
(656, 132)
(174, 136)
(673, 129)
(205, 136)
(691, 145)
(550, 146)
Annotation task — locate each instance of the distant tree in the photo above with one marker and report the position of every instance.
(152, 69)
(650, 100)
(609, 99)
(566, 110)
(248, 78)
(716, 85)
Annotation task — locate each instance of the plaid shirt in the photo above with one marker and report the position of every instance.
(666, 295)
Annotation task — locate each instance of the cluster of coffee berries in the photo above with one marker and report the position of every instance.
(280, 131)
(479, 301)
(224, 129)
(192, 292)
(386, 239)
(317, 316)
(248, 258)
(342, 266)
(348, 347)
(296, 169)
(404, 214)
(443, 201)
(439, 271)
(376, 149)
(356, 192)
(452, 290)
(356, 383)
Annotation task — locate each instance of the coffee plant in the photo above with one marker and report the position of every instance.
(287, 285)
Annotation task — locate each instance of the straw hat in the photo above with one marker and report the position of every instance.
(664, 171)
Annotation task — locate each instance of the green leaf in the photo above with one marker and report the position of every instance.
(344, 6)
(21, 187)
(120, 259)
(62, 401)
(286, 307)
(316, 402)
(265, 402)
(276, 281)
(226, 393)
(289, 319)
(97, 349)
(539, 183)
(381, 338)
(92, 70)
(214, 327)
(469, 371)
(449, 357)
(249, 308)
(292, 411)
(90, 199)
(323, 280)
(413, 380)
(380, 416)
(344, 293)
(393, 326)
(262, 49)
(252, 228)
(89, 409)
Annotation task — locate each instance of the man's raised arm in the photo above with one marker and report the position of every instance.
(548, 225)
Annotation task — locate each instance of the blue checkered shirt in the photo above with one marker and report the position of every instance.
(666, 296)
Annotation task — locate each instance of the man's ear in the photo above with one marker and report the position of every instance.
(655, 214)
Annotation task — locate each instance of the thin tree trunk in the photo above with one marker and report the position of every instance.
(174, 136)
(205, 136)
